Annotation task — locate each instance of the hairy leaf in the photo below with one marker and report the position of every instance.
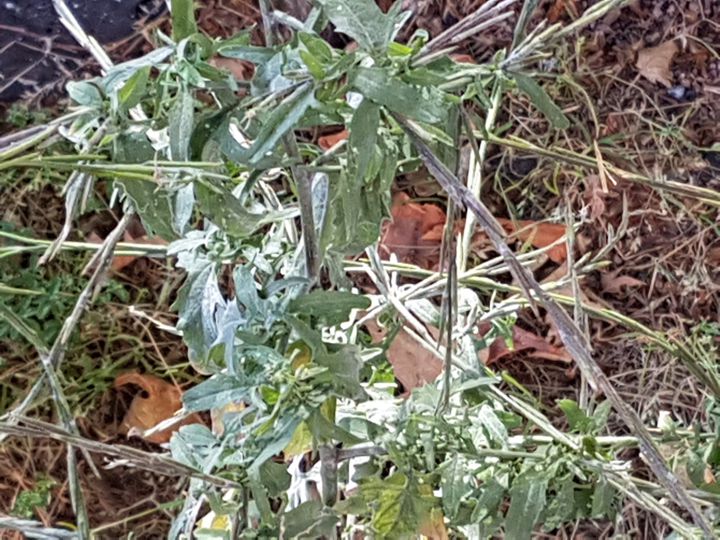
(180, 125)
(527, 500)
(333, 307)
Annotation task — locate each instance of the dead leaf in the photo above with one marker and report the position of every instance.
(612, 282)
(539, 235)
(559, 8)
(523, 340)
(433, 526)
(654, 63)
(463, 58)
(328, 141)
(415, 232)
(162, 402)
(240, 69)
(413, 365)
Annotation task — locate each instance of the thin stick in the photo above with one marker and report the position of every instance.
(158, 463)
(571, 337)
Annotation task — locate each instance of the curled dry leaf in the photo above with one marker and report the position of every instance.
(613, 282)
(539, 235)
(415, 232)
(654, 63)
(328, 141)
(538, 347)
(162, 402)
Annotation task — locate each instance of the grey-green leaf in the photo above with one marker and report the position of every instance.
(363, 136)
(333, 306)
(541, 100)
(281, 120)
(180, 125)
(527, 500)
(228, 213)
(362, 20)
(423, 103)
(309, 521)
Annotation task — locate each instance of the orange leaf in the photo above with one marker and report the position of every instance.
(162, 402)
(328, 141)
(539, 235)
(523, 340)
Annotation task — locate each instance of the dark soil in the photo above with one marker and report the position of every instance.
(36, 50)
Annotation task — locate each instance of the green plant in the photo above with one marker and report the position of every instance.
(223, 169)
(29, 500)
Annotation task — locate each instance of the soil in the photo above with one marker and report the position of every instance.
(36, 50)
(669, 255)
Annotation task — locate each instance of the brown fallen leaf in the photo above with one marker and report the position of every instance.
(162, 402)
(613, 282)
(539, 235)
(415, 232)
(413, 365)
(654, 63)
(523, 340)
(328, 141)
(240, 69)
(559, 8)
(463, 58)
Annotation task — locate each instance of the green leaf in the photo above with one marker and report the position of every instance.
(492, 427)
(309, 521)
(541, 100)
(577, 419)
(345, 368)
(333, 307)
(363, 21)
(422, 103)
(134, 88)
(183, 19)
(155, 207)
(275, 478)
(363, 136)
(456, 483)
(562, 507)
(280, 121)
(199, 302)
(602, 500)
(215, 392)
(400, 505)
(120, 73)
(527, 500)
(180, 125)
(84, 93)
(228, 213)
